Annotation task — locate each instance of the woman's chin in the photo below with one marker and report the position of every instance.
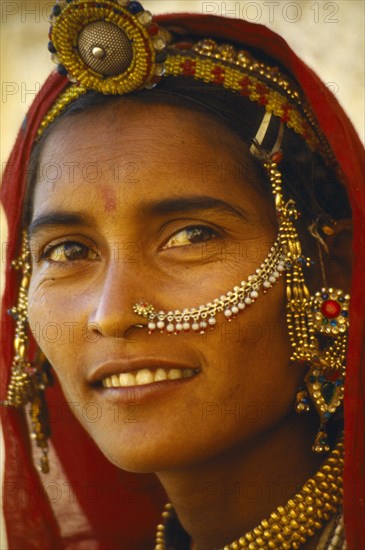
(140, 463)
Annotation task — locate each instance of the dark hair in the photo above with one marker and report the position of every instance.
(313, 185)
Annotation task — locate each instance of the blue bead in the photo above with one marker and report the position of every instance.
(321, 379)
(135, 7)
(325, 296)
(62, 70)
(339, 382)
(312, 379)
(56, 10)
(327, 415)
(344, 313)
(333, 323)
(51, 47)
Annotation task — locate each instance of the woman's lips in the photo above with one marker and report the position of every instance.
(139, 372)
(142, 385)
(145, 377)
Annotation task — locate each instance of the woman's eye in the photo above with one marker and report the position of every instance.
(69, 252)
(191, 235)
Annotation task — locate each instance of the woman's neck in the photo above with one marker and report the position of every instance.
(220, 500)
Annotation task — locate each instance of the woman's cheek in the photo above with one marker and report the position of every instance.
(53, 320)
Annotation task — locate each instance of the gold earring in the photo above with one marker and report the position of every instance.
(328, 313)
(27, 383)
(317, 324)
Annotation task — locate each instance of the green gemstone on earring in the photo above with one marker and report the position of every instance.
(328, 391)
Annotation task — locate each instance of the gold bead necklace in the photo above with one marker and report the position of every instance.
(289, 526)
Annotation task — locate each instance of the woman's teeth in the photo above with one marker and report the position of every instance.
(145, 376)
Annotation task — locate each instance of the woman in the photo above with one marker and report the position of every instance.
(161, 170)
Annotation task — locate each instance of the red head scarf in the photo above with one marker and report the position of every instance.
(86, 502)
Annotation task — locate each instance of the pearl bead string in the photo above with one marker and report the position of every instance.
(200, 318)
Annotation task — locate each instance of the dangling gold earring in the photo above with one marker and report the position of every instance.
(326, 377)
(27, 383)
(317, 324)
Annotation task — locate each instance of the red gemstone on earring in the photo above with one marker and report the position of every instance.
(330, 309)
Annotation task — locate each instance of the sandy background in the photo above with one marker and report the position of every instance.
(328, 35)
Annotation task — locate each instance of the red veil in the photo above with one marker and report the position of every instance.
(86, 502)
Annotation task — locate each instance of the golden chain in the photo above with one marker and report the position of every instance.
(27, 384)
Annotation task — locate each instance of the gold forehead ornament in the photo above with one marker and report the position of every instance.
(116, 47)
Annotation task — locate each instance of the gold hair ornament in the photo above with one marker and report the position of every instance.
(289, 526)
(27, 383)
(113, 47)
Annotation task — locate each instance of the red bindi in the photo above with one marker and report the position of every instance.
(110, 199)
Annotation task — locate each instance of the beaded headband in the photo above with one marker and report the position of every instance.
(115, 47)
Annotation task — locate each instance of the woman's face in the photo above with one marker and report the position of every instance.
(155, 204)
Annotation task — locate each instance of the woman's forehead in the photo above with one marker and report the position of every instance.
(166, 139)
(153, 153)
(131, 121)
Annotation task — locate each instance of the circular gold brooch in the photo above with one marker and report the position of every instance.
(113, 47)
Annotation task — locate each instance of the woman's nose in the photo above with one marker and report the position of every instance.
(112, 313)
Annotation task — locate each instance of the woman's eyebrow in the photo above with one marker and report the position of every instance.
(192, 203)
(188, 204)
(57, 218)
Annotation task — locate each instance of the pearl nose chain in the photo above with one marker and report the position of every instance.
(198, 319)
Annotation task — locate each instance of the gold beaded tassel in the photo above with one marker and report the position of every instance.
(304, 344)
(19, 389)
(26, 383)
(300, 325)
